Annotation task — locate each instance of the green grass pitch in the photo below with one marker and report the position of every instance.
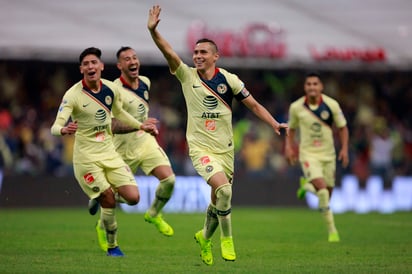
(267, 240)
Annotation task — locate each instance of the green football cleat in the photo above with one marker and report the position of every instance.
(301, 190)
(160, 224)
(333, 237)
(205, 248)
(227, 248)
(101, 236)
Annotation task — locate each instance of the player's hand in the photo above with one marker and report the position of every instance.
(344, 158)
(281, 126)
(153, 19)
(291, 155)
(70, 129)
(149, 125)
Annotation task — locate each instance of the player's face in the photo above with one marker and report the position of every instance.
(129, 64)
(91, 68)
(204, 56)
(313, 87)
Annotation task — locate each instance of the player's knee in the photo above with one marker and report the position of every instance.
(224, 192)
(168, 183)
(130, 195)
(224, 197)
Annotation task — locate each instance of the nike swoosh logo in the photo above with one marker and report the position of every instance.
(85, 105)
(194, 86)
(131, 101)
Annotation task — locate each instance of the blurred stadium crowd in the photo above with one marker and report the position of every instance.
(377, 105)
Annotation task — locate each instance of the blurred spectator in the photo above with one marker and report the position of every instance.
(254, 154)
(381, 146)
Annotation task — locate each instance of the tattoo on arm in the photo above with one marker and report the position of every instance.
(120, 128)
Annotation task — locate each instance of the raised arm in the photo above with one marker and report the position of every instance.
(171, 56)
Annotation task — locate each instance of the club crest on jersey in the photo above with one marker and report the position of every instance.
(221, 88)
(324, 115)
(108, 100)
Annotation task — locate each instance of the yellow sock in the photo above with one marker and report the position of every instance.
(224, 208)
(211, 222)
(108, 217)
(323, 195)
(163, 193)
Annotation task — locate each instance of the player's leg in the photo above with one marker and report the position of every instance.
(121, 179)
(203, 236)
(329, 171)
(222, 196)
(109, 222)
(164, 191)
(92, 180)
(305, 186)
(206, 167)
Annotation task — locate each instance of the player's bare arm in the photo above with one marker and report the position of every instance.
(263, 114)
(290, 151)
(119, 127)
(69, 129)
(343, 153)
(171, 56)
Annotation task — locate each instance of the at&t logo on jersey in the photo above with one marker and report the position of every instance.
(210, 102)
(100, 115)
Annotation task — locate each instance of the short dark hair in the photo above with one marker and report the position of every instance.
(207, 40)
(313, 74)
(92, 50)
(124, 48)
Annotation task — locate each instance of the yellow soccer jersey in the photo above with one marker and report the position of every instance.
(135, 102)
(93, 138)
(315, 126)
(209, 107)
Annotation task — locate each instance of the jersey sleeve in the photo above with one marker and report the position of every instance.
(120, 113)
(146, 80)
(63, 114)
(293, 122)
(338, 116)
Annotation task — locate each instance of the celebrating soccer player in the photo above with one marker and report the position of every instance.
(208, 92)
(313, 115)
(98, 168)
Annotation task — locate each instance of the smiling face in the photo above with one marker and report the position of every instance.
(128, 63)
(313, 88)
(91, 67)
(205, 56)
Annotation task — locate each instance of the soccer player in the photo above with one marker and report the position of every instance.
(140, 149)
(98, 168)
(313, 115)
(208, 92)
